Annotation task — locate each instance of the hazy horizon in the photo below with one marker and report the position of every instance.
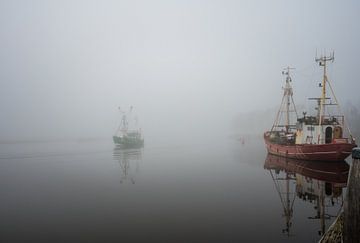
(188, 67)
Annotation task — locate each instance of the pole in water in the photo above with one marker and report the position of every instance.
(352, 202)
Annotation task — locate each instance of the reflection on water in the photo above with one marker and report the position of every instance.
(318, 183)
(212, 192)
(129, 160)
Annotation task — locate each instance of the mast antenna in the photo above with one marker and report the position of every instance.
(323, 60)
(286, 103)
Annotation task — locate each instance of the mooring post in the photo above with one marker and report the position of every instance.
(352, 202)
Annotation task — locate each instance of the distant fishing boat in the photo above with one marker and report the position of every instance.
(128, 133)
(321, 137)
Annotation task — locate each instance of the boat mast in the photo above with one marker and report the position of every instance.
(124, 124)
(288, 93)
(322, 62)
(286, 102)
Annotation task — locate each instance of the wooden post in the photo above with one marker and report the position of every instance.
(352, 202)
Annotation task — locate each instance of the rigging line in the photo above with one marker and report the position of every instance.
(292, 99)
(303, 72)
(345, 121)
(308, 83)
(292, 203)
(277, 116)
(314, 72)
(304, 68)
(277, 189)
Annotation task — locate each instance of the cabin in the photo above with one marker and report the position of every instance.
(330, 130)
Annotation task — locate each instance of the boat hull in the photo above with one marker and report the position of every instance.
(128, 141)
(314, 152)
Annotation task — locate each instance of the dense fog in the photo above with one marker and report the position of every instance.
(192, 70)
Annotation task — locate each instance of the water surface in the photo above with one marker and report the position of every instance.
(220, 191)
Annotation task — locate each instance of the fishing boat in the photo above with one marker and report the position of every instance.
(320, 137)
(128, 133)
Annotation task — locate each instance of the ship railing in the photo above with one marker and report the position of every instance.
(339, 141)
(332, 120)
(325, 120)
(344, 140)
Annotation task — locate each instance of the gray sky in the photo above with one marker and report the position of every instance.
(188, 67)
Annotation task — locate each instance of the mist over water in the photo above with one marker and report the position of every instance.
(185, 67)
(204, 78)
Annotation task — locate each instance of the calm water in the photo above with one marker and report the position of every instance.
(89, 191)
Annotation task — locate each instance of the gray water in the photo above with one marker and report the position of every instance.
(91, 191)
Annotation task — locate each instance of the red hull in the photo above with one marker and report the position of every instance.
(316, 152)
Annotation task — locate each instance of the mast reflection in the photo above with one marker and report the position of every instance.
(129, 160)
(318, 183)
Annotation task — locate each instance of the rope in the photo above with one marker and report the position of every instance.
(278, 114)
(345, 122)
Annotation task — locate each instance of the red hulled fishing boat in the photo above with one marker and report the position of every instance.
(322, 137)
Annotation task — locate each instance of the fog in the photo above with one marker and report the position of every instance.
(189, 68)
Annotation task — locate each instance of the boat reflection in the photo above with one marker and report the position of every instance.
(129, 160)
(318, 183)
